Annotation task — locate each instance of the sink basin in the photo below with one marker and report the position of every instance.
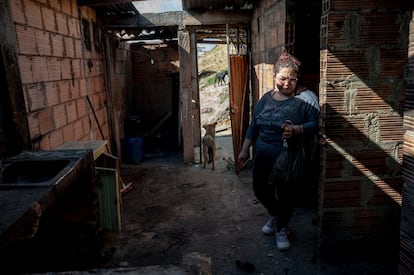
(32, 172)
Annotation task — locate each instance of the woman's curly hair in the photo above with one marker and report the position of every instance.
(286, 60)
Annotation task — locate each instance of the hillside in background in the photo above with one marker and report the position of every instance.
(214, 99)
(214, 60)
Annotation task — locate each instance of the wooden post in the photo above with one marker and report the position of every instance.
(184, 50)
(195, 94)
(19, 133)
(112, 113)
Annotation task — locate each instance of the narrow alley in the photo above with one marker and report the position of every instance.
(177, 209)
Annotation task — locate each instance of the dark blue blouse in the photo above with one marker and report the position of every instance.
(269, 115)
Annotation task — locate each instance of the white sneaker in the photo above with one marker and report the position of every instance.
(282, 240)
(269, 227)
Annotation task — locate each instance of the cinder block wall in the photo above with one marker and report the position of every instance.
(406, 265)
(364, 53)
(58, 71)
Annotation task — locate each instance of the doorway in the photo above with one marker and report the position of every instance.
(223, 85)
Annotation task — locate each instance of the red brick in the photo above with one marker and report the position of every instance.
(52, 93)
(82, 87)
(75, 89)
(59, 115)
(56, 5)
(33, 14)
(49, 19)
(64, 91)
(17, 11)
(66, 68)
(57, 45)
(43, 42)
(99, 84)
(67, 7)
(74, 5)
(53, 66)
(71, 111)
(91, 85)
(69, 132)
(56, 138)
(36, 96)
(73, 26)
(81, 107)
(76, 68)
(79, 129)
(62, 24)
(25, 66)
(26, 40)
(95, 101)
(69, 47)
(45, 121)
(78, 48)
(74, 86)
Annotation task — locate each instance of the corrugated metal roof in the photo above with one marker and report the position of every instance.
(111, 8)
(217, 5)
(117, 9)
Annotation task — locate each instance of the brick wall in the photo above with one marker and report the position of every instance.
(56, 78)
(364, 53)
(268, 37)
(152, 83)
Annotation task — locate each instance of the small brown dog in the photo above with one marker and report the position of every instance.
(209, 144)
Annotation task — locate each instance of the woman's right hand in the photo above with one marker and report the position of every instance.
(242, 158)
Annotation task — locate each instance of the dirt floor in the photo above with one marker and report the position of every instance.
(176, 209)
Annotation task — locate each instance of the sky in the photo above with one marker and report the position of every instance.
(155, 6)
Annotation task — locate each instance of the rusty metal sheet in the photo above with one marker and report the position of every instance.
(239, 101)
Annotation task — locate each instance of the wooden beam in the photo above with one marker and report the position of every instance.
(185, 95)
(110, 89)
(180, 18)
(13, 88)
(195, 92)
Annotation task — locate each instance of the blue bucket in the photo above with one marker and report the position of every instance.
(134, 149)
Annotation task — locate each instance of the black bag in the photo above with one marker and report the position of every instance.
(289, 165)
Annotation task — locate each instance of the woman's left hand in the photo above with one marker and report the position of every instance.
(287, 130)
(290, 130)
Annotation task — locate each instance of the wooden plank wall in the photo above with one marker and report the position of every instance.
(406, 261)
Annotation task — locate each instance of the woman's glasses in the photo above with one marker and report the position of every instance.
(292, 80)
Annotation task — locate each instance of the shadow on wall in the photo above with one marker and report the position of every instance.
(361, 189)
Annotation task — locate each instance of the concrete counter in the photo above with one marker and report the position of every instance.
(17, 204)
